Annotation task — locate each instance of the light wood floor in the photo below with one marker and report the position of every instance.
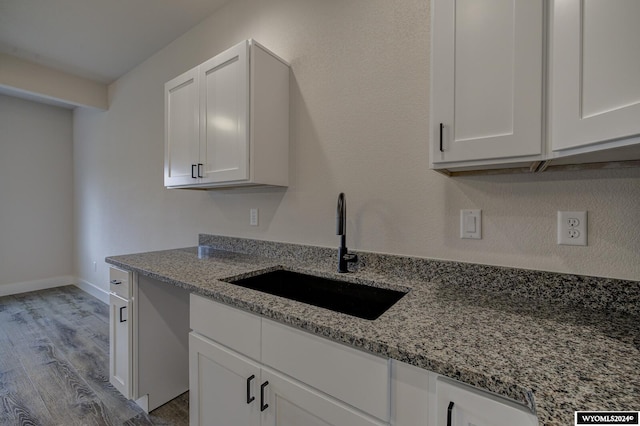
(54, 365)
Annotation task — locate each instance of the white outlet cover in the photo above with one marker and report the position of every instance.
(572, 228)
(253, 217)
(471, 224)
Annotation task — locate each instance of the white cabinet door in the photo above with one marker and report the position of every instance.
(411, 399)
(288, 403)
(486, 84)
(120, 335)
(181, 156)
(595, 72)
(224, 116)
(469, 407)
(224, 386)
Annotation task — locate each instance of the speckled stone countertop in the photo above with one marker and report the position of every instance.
(556, 343)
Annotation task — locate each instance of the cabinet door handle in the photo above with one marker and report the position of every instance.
(200, 170)
(449, 410)
(250, 398)
(193, 171)
(115, 282)
(263, 406)
(122, 320)
(441, 132)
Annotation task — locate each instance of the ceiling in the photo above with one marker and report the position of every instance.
(96, 39)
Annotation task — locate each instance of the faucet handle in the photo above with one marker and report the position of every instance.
(350, 257)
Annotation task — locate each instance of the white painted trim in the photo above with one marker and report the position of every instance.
(25, 78)
(93, 290)
(26, 286)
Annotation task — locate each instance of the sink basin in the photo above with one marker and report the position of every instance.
(362, 301)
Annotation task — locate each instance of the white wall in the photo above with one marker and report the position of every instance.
(360, 113)
(36, 196)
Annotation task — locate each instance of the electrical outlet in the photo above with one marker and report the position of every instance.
(572, 228)
(253, 217)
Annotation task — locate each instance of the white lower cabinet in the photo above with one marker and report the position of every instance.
(229, 389)
(222, 384)
(120, 335)
(270, 388)
(249, 371)
(291, 403)
(461, 405)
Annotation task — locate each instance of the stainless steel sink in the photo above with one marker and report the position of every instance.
(358, 300)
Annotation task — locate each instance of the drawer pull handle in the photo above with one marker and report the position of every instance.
(250, 398)
(115, 282)
(200, 165)
(122, 320)
(263, 406)
(193, 171)
(441, 131)
(449, 410)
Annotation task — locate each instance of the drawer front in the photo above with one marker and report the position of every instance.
(231, 327)
(120, 282)
(352, 376)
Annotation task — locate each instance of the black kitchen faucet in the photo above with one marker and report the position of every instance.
(344, 257)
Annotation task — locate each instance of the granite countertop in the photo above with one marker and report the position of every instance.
(553, 357)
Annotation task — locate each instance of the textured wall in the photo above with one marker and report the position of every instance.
(36, 187)
(360, 109)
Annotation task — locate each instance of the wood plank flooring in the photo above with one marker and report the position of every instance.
(54, 365)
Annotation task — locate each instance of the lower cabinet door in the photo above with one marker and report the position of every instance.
(459, 405)
(120, 343)
(285, 402)
(224, 387)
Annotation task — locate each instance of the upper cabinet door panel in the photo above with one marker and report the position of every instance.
(224, 116)
(181, 128)
(595, 71)
(486, 79)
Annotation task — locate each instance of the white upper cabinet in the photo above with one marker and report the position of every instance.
(527, 85)
(594, 73)
(486, 89)
(227, 121)
(224, 116)
(181, 129)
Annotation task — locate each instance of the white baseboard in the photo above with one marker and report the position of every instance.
(93, 290)
(26, 286)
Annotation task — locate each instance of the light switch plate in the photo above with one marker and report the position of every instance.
(471, 224)
(253, 217)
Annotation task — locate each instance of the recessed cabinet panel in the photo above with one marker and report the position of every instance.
(224, 116)
(610, 78)
(486, 80)
(595, 72)
(484, 69)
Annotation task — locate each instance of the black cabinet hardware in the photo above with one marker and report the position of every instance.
(250, 398)
(441, 131)
(263, 406)
(200, 170)
(121, 320)
(115, 282)
(449, 410)
(193, 171)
